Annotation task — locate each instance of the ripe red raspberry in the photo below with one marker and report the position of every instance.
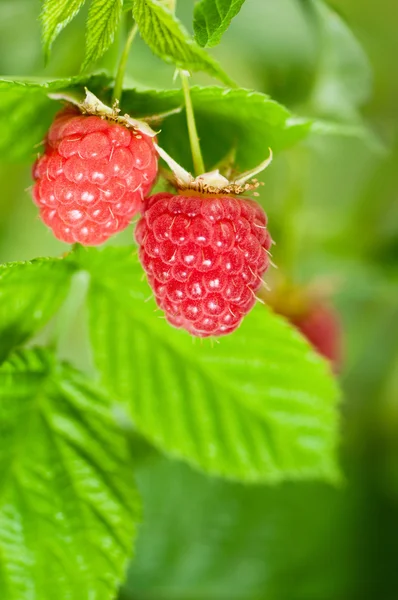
(92, 177)
(204, 258)
(321, 326)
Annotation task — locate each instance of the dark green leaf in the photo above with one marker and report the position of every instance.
(168, 39)
(212, 18)
(68, 503)
(55, 16)
(258, 406)
(249, 121)
(30, 293)
(26, 112)
(102, 24)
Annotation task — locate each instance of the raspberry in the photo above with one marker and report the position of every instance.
(321, 326)
(204, 258)
(92, 177)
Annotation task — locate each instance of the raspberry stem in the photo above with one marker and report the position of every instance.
(197, 158)
(118, 89)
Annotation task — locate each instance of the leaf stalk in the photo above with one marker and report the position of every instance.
(197, 158)
(118, 89)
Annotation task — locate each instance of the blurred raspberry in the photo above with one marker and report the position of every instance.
(204, 258)
(307, 308)
(92, 177)
(321, 326)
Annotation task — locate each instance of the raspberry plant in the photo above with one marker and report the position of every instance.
(260, 406)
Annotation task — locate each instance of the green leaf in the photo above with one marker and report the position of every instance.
(226, 118)
(68, 504)
(102, 24)
(55, 16)
(128, 5)
(258, 406)
(212, 18)
(30, 294)
(168, 39)
(26, 111)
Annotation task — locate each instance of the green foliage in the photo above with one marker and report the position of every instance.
(67, 501)
(30, 293)
(102, 24)
(26, 112)
(55, 16)
(128, 5)
(259, 406)
(265, 414)
(242, 119)
(245, 120)
(168, 39)
(212, 18)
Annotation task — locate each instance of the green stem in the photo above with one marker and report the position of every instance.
(198, 163)
(118, 89)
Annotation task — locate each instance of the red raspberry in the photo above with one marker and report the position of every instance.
(204, 258)
(92, 177)
(321, 326)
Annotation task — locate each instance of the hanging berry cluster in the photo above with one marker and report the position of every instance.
(204, 248)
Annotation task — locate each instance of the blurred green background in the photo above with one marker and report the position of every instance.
(333, 208)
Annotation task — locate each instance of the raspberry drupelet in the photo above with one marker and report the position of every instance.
(93, 176)
(204, 256)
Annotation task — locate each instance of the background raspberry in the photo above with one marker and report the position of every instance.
(92, 177)
(320, 324)
(204, 257)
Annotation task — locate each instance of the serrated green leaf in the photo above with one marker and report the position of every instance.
(258, 406)
(102, 24)
(68, 504)
(30, 294)
(26, 111)
(226, 118)
(168, 39)
(212, 18)
(55, 16)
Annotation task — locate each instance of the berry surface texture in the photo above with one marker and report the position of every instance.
(92, 178)
(204, 258)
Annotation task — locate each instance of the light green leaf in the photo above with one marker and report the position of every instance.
(259, 405)
(26, 112)
(55, 16)
(212, 18)
(68, 504)
(102, 24)
(226, 118)
(168, 39)
(30, 294)
(128, 5)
